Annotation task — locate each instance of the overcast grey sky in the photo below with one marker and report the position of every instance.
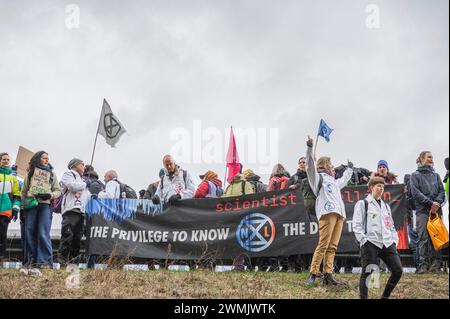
(251, 63)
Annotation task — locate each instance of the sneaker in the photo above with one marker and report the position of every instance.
(311, 281)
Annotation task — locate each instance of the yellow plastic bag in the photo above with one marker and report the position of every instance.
(437, 231)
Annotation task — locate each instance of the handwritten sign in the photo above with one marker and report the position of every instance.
(40, 182)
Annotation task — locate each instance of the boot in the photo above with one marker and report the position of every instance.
(329, 280)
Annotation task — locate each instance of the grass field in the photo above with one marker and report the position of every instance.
(206, 284)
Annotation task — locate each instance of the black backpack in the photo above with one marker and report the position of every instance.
(309, 198)
(129, 192)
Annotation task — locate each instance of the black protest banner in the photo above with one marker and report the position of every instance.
(261, 225)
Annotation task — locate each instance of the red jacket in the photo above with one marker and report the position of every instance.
(278, 183)
(203, 188)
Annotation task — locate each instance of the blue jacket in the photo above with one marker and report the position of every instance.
(426, 188)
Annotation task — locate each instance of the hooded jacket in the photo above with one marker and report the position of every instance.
(376, 225)
(76, 194)
(329, 199)
(9, 193)
(204, 188)
(257, 185)
(236, 186)
(426, 188)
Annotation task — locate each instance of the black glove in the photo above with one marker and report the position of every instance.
(350, 165)
(174, 199)
(43, 196)
(156, 200)
(88, 183)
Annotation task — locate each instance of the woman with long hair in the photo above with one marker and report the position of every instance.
(39, 188)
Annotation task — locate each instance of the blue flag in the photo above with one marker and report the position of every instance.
(325, 131)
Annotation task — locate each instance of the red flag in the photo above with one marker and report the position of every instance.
(234, 167)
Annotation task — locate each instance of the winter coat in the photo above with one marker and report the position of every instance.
(151, 190)
(237, 186)
(257, 185)
(279, 182)
(376, 225)
(76, 193)
(329, 199)
(205, 189)
(426, 188)
(297, 178)
(178, 183)
(9, 193)
(96, 185)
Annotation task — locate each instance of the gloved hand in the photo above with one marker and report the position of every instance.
(88, 183)
(174, 199)
(43, 196)
(156, 200)
(350, 165)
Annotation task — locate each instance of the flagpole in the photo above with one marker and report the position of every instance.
(96, 136)
(225, 177)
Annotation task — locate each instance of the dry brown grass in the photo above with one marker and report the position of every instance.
(204, 284)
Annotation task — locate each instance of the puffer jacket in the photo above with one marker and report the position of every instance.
(375, 225)
(238, 185)
(255, 181)
(9, 193)
(426, 188)
(329, 199)
(204, 188)
(76, 193)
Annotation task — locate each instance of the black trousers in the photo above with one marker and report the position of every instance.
(71, 234)
(4, 222)
(370, 255)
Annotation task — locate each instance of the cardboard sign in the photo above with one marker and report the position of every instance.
(40, 182)
(22, 160)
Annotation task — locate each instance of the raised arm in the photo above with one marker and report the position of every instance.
(311, 171)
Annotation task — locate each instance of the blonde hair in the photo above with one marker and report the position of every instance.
(323, 162)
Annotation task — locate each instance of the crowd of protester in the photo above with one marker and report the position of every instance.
(425, 192)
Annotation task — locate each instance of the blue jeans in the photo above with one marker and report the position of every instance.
(38, 244)
(414, 245)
